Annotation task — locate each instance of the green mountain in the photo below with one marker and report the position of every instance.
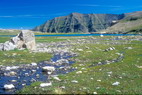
(94, 23)
(79, 23)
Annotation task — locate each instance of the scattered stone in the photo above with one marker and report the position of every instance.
(12, 73)
(33, 71)
(26, 74)
(91, 78)
(8, 68)
(79, 72)
(34, 64)
(63, 87)
(129, 48)
(48, 68)
(74, 81)
(116, 83)
(99, 80)
(49, 73)
(95, 93)
(109, 72)
(80, 49)
(62, 61)
(9, 86)
(23, 84)
(13, 80)
(56, 78)
(45, 84)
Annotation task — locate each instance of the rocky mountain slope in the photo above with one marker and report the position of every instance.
(131, 23)
(94, 23)
(79, 23)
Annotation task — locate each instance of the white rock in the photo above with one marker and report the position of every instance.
(116, 83)
(12, 73)
(14, 67)
(99, 80)
(33, 71)
(94, 92)
(11, 68)
(56, 78)
(26, 74)
(8, 68)
(23, 84)
(91, 78)
(9, 86)
(45, 84)
(129, 48)
(13, 80)
(49, 73)
(34, 64)
(74, 81)
(79, 72)
(80, 49)
(63, 87)
(89, 51)
(109, 72)
(48, 68)
(61, 61)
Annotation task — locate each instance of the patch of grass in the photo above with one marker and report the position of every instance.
(56, 39)
(17, 57)
(48, 39)
(9, 32)
(4, 39)
(29, 89)
(40, 33)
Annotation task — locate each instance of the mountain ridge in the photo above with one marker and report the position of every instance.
(86, 23)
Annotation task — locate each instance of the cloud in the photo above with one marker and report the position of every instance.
(6, 16)
(93, 5)
(34, 16)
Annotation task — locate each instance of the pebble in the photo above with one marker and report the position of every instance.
(94, 92)
(9, 86)
(99, 80)
(79, 72)
(109, 72)
(116, 83)
(45, 84)
(74, 81)
(12, 73)
(56, 78)
(34, 64)
(48, 68)
(13, 80)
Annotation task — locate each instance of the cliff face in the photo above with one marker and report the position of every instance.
(79, 23)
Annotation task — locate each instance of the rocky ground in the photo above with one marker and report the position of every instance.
(82, 51)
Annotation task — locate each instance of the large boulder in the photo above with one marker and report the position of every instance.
(25, 39)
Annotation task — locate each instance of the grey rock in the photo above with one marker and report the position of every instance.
(24, 40)
(8, 46)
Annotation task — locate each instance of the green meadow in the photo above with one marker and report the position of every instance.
(88, 78)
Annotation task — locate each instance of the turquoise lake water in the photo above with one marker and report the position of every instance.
(64, 35)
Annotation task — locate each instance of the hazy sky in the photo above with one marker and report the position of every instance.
(30, 13)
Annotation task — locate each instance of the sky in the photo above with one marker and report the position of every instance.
(27, 14)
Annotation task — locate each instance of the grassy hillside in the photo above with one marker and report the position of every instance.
(132, 23)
